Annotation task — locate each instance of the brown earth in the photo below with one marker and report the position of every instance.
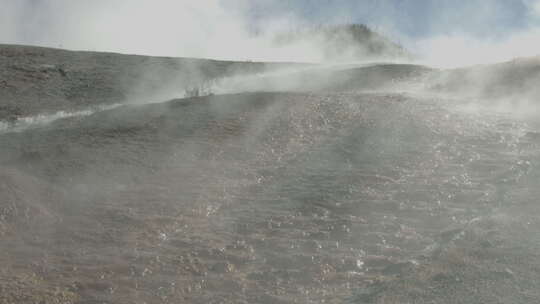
(277, 197)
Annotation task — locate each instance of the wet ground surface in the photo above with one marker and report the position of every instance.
(273, 198)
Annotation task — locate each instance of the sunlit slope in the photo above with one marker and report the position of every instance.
(37, 80)
(335, 196)
(350, 183)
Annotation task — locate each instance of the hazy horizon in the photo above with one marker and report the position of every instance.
(442, 33)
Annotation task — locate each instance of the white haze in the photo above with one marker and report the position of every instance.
(221, 30)
(455, 49)
(186, 28)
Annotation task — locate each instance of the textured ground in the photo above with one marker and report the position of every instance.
(334, 195)
(35, 80)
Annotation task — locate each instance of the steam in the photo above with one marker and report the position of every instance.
(464, 48)
(203, 29)
(455, 50)
(211, 178)
(230, 30)
(29, 122)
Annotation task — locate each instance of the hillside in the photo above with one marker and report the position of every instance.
(344, 183)
(513, 79)
(348, 42)
(36, 80)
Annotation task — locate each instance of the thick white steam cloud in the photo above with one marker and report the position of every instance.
(202, 28)
(221, 29)
(463, 48)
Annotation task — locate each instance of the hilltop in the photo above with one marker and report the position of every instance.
(346, 42)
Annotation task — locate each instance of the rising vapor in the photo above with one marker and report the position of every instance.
(269, 151)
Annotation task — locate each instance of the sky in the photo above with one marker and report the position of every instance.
(236, 29)
(411, 18)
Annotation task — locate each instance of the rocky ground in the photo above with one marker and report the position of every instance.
(348, 192)
(35, 80)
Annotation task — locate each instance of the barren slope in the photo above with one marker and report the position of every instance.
(305, 194)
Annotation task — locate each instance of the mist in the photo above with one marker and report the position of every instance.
(379, 152)
(203, 29)
(230, 30)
